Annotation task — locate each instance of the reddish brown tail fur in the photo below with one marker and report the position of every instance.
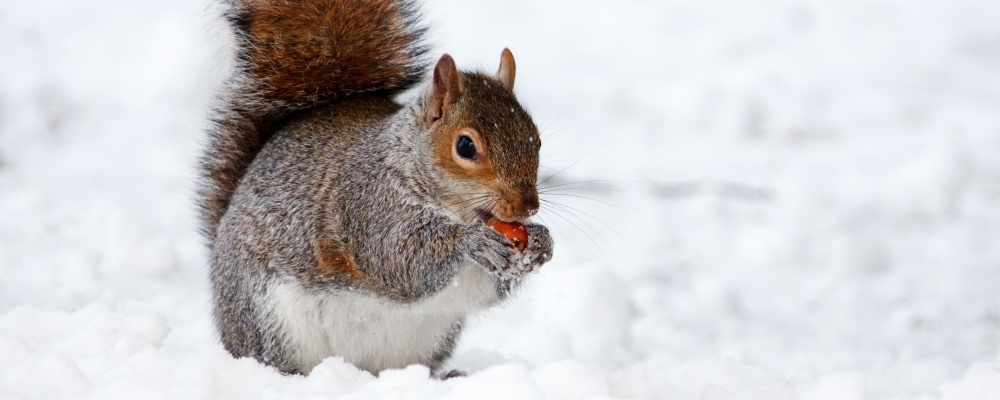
(295, 55)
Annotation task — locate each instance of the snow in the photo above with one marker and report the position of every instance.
(783, 199)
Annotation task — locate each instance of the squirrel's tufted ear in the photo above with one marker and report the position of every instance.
(507, 69)
(445, 89)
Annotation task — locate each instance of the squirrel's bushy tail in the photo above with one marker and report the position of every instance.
(295, 55)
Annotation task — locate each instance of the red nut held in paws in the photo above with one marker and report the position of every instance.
(513, 231)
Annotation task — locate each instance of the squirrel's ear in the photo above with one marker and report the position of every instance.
(507, 69)
(445, 90)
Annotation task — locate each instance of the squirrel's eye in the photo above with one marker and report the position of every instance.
(465, 147)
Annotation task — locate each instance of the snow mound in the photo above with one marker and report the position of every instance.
(752, 200)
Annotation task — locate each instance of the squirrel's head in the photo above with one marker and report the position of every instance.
(484, 144)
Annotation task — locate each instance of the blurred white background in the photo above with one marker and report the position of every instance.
(757, 199)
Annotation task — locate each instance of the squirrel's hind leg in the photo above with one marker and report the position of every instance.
(443, 353)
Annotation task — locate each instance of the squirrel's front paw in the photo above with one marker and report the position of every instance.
(537, 252)
(493, 251)
(501, 258)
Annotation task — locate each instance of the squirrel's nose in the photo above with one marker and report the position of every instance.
(530, 203)
(521, 207)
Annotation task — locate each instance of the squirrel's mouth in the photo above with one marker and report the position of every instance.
(486, 216)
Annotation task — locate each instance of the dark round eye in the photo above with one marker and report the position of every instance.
(465, 147)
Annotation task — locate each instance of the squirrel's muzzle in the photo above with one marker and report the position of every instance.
(521, 207)
(530, 203)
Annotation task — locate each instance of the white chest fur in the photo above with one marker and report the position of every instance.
(370, 332)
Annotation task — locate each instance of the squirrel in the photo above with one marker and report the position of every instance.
(341, 222)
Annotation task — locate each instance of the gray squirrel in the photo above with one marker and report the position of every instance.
(341, 223)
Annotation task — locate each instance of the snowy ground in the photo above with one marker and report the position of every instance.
(784, 199)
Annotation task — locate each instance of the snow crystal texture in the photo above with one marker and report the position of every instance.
(786, 199)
